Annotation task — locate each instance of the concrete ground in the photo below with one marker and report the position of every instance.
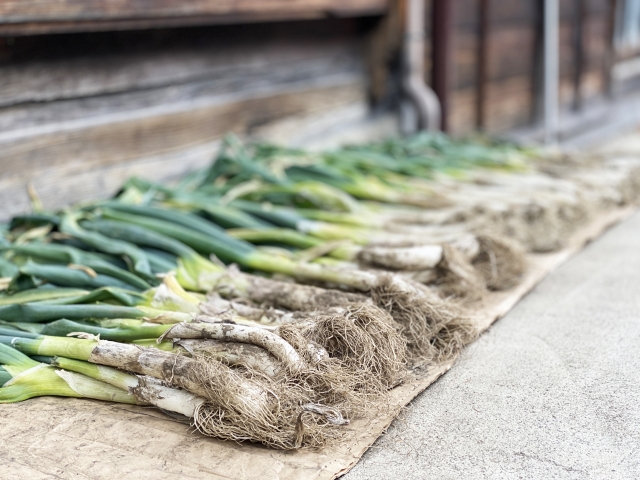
(550, 391)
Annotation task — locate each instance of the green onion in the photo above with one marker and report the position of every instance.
(45, 293)
(62, 328)
(33, 379)
(69, 225)
(72, 277)
(222, 245)
(70, 255)
(36, 312)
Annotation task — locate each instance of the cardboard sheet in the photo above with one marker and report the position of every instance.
(48, 438)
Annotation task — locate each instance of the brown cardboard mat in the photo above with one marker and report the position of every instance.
(48, 437)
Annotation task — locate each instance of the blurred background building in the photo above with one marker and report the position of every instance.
(94, 91)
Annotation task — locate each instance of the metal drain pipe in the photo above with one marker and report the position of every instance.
(421, 96)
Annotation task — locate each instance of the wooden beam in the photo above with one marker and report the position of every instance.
(610, 54)
(158, 76)
(483, 60)
(108, 25)
(90, 161)
(442, 33)
(383, 47)
(117, 137)
(580, 17)
(56, 16)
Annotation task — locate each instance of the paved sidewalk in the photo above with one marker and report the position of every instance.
(550, 391)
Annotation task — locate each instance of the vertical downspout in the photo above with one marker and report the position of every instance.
(551, 70)
(423, 98)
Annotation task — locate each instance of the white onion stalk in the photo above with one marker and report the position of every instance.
(271, 342)
(146, 389)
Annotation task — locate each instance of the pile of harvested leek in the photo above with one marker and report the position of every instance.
(280, 293)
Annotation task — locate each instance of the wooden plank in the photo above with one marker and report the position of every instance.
(72, 182)
(482, 56)
(509, 103)
(68, 26)
(382, 47)
(32, 91)
(19, 11)
(465, 15)
(596, 43)
(67, 183)
(521, 12)
(90, 161)
(465, 59)
(567, 10)
(75, 124)
(566, 50)
(593, 82)
(509, 70)
(442, 74)
(511, 51)
(503, 13)
(113, 138)
(463, 111)
(20, 17)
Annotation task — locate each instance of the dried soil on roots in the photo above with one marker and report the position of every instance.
(240, 404)
(292, 296)
(364, 343)
(326, 380)
(348, 357)
(353, 355)
(419, 313)
(233, 354)
(359, 334)
(457, 278)
(433, 327)
(448, 271)
(501, 262)
(285, 420)
(367, 341)
(539, 228)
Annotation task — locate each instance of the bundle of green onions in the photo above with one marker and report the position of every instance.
(500, 188)
(220, 401)
(280, 292)
(343, 357)
(430, 259)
